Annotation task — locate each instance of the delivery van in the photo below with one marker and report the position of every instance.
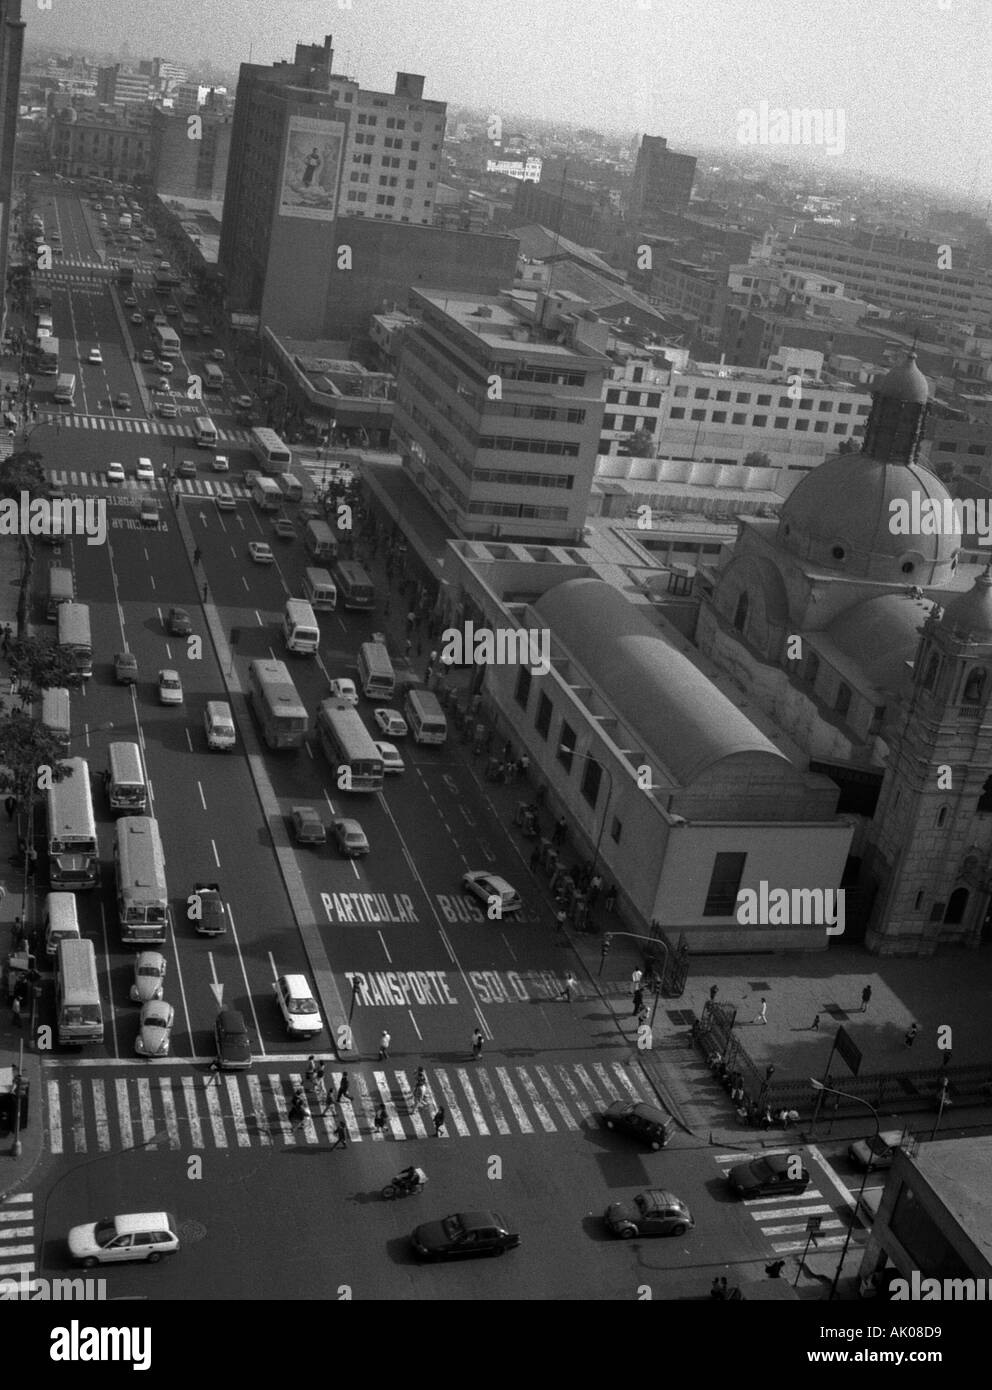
(61, 921)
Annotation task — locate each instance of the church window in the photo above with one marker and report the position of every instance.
(956, 907)
(930, 675)
(974, 690)
(908, 567)
(812, 668)
(843, 702)
(985, 800)
(918, 903)
(838, 552)
(941, 816)
(740, 616)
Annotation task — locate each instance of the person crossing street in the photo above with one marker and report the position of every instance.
(477, 1041)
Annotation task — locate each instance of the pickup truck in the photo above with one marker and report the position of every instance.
(212, 920)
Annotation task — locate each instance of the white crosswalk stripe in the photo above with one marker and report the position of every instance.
(176, 1109)
(787, 1214)
(175, 429)
(192, 487)
(17, 1250)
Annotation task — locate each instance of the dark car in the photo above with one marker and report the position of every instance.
(186, 469)
(125, 668)
(645, 1122)
(651, 1213)
(178, 622)
(211, 914)
(284, 528)
(233, 1043)
(768, 1176)
(122, 400)
(462, 1235)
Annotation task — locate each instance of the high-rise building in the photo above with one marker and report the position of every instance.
(11, 54)
(115, 87)
(499, 408)
(662, 180)
(182, 167)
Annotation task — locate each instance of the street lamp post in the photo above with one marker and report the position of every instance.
(564, 748)
(819, 1086)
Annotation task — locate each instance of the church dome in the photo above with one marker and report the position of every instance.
(969, 615)
(906, 383)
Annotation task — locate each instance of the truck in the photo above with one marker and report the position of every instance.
(212, 918)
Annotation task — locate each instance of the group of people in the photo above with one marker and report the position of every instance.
(299, 1106)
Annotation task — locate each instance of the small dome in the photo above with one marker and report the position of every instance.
(906, 383)
(970, 614)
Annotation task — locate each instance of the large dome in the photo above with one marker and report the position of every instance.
(906, 382)
(969, 615)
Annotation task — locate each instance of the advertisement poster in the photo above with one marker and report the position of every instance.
(311, 168)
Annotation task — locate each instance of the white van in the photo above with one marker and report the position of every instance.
(206, 433)
(55, 715)
(320, 589)
(300, 630)
(425, 717)
(78, 1010)
(124, 778)
(218, 723)
(61, 920)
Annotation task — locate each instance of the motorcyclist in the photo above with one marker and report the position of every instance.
(411, 1178)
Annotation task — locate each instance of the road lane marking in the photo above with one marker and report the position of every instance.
(540, 1108)
(102, 1119)
(54, 1118)
(169, 1111)
(474, 1107)
(258, 1108)
(608, 1085)
(237, 1113)
(123, 1114)
(212, 1102)
(146, 1110)
(455, 1115)
(515, 1104)
(552, 1090)
(78, 1118)
(192, 1114)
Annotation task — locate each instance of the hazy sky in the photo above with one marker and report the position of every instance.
(912, 77)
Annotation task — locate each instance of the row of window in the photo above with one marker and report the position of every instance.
(512, 444)
(515, 371)
(592, 772)
(704, 393)
(650, 399)
(521, 510)
(782, 422)
(950, 446)
(506, 478)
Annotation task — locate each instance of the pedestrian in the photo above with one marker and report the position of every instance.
(535, 859)
(638, 1002)
(558, 834)
(911, 1033)
(724, 1291)
(570, 984)
(379, 1119)
(865, 998)
(610, 901)
(593, 891)
(561, 919)
(197, 557)
(408, 648)
(343, 1088)
(411, 619)
(815, 1025)
(774, 1270)
(715, 1290)
(214, 1074)
(477, 1041)
(419, 1089)
(439, 1122)
(298, 1114)
(205, 592)
(384, 1042)
(635, 979)
(15, 1011)
(311, 1069)
(19, 934)
(340, 1136)
(762, 1012)
(714, 991)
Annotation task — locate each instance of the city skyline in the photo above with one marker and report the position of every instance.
(883, 76)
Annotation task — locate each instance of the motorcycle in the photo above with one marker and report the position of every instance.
(401, 1187)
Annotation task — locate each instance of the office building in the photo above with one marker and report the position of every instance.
(111, 145)
(11, 55)
(662, 181)
(185, 168)
(114, 87)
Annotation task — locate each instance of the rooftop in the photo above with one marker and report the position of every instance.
(506, 322)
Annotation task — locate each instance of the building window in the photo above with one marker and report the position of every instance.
(974, 690)
(843, 702)
(616, 830)
(677, 413)
(956, 907)
(542, 719)
(697, 415)
(738, 418)
(725, 882)
(719, 417)
(740, 614)
(781, 422)
(701, 393)
(592, 775)
(918, 901)
(812, 669)
(522, 692)
(566, 746)
(759, 422)
(763, 400)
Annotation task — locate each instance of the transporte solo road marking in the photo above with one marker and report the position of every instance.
(383, 988)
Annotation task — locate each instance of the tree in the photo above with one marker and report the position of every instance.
(639, 445)
(37, 664)
(757, 459)
(850, 446)
(27, 747)
(22, 472)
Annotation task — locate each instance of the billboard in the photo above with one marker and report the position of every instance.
(311, 168)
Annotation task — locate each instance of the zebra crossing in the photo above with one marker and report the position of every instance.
(196, 487)
(17, 1236)
(126, 425)
(783, 1219)
(251, 1109)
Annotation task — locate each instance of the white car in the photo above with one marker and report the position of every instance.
(390, 755)
(222, 464)
(154, 1029)
(115, 473)
(391, 722)
(146, 1235)
(164, 366)
(344, 689)
(144, 471)
(149, 972)
(170, 688)
(260, 552)
(96, 357)
(225, 502)
(298, 1006)
(137, 319)
(484, 885)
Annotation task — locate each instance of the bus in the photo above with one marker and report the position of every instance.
(48, 356)
(270, 451)
(78, 1011)
(56, 714)
(278, 708)
(65, 388)
(74, 636)
(142, 893)
(354, 586)
(346, 743)
(266, 494)
(61, 589)
(375, 671)
(73, 861)
(166, 281)
(127, 790)
(213, 377)
(165, 340)
(291, 488)
(125, 272)
(300, 630)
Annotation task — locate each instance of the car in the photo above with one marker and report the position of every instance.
(768, 1176)
(149, 972)
(170, 688)
(115, 473)
(308, 828)
(130, 301)
(218, 354)
(222, 464)
(209, 911)
(224, 502)
(178, 623)
(147, 355)
(168, 410)
(233, 1043)
(164, 265)
(137, 320)
(350, 836)
(148, 514)
(146, 1235)
(172, 311)
(298, 1006)
(186, 469)
(390, 755)
(645, 1122)
(206, 331)
(164, 366)
(652, 1213)
(343, 688)
(879, 1151)
(252, 476)
(154, 1029)
(122, 401)
(391, 722)
(125, 668)
(163, 386)
(260, 552)
(485, 886)
(144, 471)
(463, 1234)
(284, 528)
(95, 357)
(243, 402)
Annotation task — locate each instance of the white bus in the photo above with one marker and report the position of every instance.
(277, 705)
(346, 743)
(375, 671)
(73, 861)
(272, 453)
(124, 778)
(213, 377)
(319, 541)
(206, 433)
(78, 1011)
(61, 589)
(55, 714)
(300, 630)
(355, 588)
(48, 356)
(65, 388)
(318, 586)
(266, 495)
(142, 892)
(425, 717)
(74, 636)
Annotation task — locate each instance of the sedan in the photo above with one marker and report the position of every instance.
(222, 464)
(350, 837)
(879, 1151)
(129, 301)
(147, 355)
(225, 502)
(178, 622)
(640, 1120)
(144, 471)
(218, 354)
(170, 688)
(486, 886)
(125, 668)
(149, 973)
(115, 473)
(243, 402)
(233, 1043)
(308, 828)
(651, 1213)
(343, 689)
(284, 528)
(137, 320)
(122, 401)
(260, 552)
(142, 1236)
(154, 1029)
(186, 469)
(168, 410)
(164, 366)
(464, 1234)
(769, 1176)
(95, 357)
(390, 755)
(391, 722)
